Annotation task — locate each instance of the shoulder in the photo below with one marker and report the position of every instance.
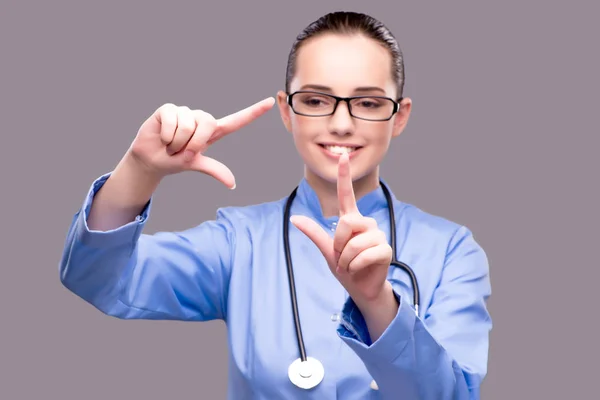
(432, 240)
(427, 225)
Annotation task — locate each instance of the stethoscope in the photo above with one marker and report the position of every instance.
(307, 372)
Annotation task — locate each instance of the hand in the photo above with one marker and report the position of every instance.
(359, 254)
(173, 139)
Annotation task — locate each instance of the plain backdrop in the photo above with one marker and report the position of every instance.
(503, 138)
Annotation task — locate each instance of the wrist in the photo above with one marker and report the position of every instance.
(383, 300)
(380, 311)
(386, 297)
(135, 181)
(139, 170)
(123, 196)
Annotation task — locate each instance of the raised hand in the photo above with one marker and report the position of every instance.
(174, 138)
(358, 254)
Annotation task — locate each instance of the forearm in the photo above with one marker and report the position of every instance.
(122, 197)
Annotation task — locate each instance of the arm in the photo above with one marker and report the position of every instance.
(444, 355)
(127, 274)
(107, 260)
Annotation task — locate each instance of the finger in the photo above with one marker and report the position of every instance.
(371, 256)
(205, 126)
(167, 121)
(317, 234)
(345, 191)
(348, 226)
(235, 121)
(357, 245)
(186, 125)
(214, 168)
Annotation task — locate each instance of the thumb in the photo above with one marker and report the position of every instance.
(212, 167)
(317, 234)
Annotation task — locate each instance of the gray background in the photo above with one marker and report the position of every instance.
(502, 139)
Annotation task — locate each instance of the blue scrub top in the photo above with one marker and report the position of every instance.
(233, 268)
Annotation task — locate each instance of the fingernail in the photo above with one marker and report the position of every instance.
(234, 185)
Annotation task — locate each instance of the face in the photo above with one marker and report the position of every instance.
(343, 66)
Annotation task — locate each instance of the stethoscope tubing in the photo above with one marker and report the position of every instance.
(288, 258)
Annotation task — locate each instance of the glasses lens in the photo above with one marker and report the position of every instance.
(372, 108)
(313, 104)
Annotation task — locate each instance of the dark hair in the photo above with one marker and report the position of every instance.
(345, 22)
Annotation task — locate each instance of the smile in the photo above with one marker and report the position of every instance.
(338, 150)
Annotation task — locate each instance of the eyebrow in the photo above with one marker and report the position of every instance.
(358, 89)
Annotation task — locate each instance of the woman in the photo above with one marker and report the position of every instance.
(234, 268)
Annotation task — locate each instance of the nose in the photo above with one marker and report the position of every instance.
(341, 122)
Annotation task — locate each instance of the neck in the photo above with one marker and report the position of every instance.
(327, 191)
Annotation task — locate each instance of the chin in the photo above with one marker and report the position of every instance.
(328, 173)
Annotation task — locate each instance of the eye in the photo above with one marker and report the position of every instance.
(368, 103)
(312, 102)
(315, 101)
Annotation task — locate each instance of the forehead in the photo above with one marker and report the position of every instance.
(343, 63)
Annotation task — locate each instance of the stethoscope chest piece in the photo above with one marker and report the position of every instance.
(306, 374)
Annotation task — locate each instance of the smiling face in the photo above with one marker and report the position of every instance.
(342, 65)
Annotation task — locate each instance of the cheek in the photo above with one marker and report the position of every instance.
(379, 136)
(304, 130)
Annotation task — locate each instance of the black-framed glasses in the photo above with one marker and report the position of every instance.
(318, 104)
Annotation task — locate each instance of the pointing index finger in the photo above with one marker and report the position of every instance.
(239, 119)
(346, 199)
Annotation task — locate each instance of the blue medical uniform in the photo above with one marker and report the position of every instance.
(233, 268)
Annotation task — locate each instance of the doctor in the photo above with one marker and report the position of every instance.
(313, 307)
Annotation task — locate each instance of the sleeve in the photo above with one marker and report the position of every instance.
(444, 355)
(130, 275)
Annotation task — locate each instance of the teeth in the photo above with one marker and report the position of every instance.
(340, 149)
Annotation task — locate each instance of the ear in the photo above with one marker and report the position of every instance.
(284, 110)
(401, 117)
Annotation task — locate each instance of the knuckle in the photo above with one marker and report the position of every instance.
(210, 124)
(201, 114)
(356, 265)
(167, 107)
(184, 122)
(341, 227)
(354, 247)
(367, 259)
(205, 120)
(168, 112)
(347, 220)
(389, 252)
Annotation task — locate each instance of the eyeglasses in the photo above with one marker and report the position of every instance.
(317, 104)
